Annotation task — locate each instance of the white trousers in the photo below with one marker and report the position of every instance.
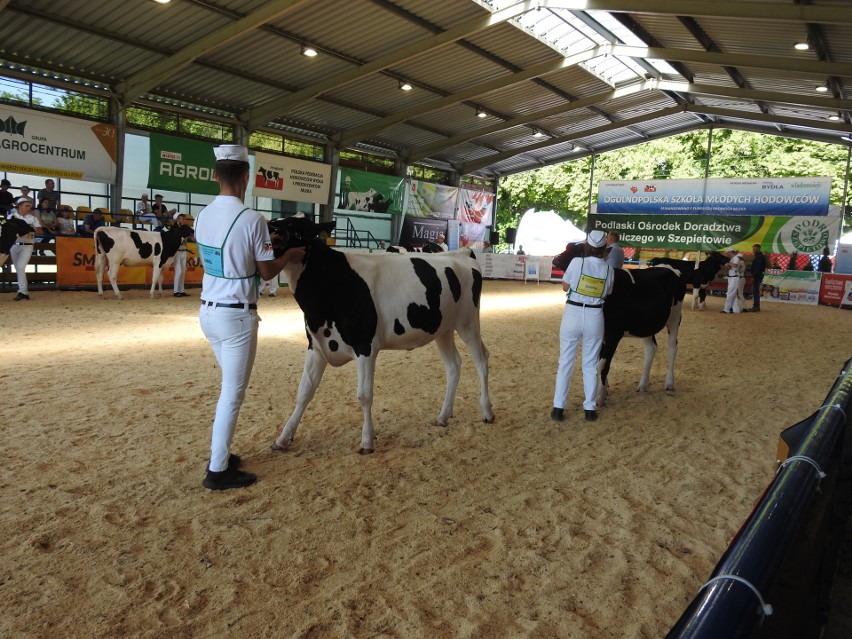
(232, 333)
(732, 301)
(578, 325)
(180, 270)
(273, 285)
(20, 256)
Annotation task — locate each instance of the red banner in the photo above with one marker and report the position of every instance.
(836, 290)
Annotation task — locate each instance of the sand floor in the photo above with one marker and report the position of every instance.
(521, 528)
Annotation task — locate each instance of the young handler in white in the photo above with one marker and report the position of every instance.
(180, 260)
(22, 249)
(236, 251)
(588, 280)
(736, 281)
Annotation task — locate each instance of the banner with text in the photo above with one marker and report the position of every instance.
(717, 196)
(57, 146)
(427, 199)
(368, 191)
(798, 287)
(176, 164)
(284, 178)
(836, 290)
(775, 234)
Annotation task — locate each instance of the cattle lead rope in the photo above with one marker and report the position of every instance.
(765, 608)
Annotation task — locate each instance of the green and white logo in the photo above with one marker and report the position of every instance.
(809, 236)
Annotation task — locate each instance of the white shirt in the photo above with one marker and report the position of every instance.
(594, 267)
(739, 266)
(247, 243)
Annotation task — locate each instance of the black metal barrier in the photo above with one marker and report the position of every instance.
(785, 534)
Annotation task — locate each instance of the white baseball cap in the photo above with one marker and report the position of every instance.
(231, 152)
(596, 239)
(21, 200)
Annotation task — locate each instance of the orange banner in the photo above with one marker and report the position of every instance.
(75, 266)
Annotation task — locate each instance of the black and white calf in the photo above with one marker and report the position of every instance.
(356, 305)
(642, 303)
(698, 280)
(124, 247)
(428, 247)
(10, 231)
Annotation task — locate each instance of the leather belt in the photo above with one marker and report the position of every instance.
(730, 276)
(251, 307)
(24, 243)
(573, 303)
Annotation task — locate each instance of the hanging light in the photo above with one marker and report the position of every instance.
(309, 51)
(801, 46)
(538, 133)
(480, 113)
(834, 117)
(405, 85)
(821, 89)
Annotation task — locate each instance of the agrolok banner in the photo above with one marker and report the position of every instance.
(176, 164)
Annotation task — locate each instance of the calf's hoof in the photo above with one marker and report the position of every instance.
(488, 420)
(365, 451)
(282, 446)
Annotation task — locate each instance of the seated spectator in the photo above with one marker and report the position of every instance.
(65, 221)
(47, 217)
(164, 215)
(25, 192)
(49, 193)
(144, 214)
(93, 220)
(824, 262)
(7, 200)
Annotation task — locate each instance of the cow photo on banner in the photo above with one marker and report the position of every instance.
(285, 178)
(370, 192)
(475, 212)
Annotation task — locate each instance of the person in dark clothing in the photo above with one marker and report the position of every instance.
(7, 200)
(758, 266)
(824, 262)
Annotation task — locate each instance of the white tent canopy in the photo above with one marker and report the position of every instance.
(545, 233)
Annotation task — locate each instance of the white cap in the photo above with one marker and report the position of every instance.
(175, 216)
(21, 200)
(731, 250)
(596, 238)
(231, 152)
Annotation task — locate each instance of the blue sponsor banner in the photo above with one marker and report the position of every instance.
(717, 196)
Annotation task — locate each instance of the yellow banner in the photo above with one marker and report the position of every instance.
(75, 266)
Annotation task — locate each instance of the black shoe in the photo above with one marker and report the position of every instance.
(230, 478)
(181, 294)
(272, 295)
(727, 312)
(21, 296)
(591, 415)
(557, 414)
(754, 310)
(234, 462)
(745, 310)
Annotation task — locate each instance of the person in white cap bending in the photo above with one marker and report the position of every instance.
(736, 276)
(588, 281)
(236, 252)
(180, 259)
(22, 249)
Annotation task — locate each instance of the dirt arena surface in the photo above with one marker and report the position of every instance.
(521, 528)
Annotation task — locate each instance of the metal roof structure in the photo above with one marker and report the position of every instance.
(497, 86)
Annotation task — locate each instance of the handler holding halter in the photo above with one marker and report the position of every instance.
(588, 280)
(236, 251)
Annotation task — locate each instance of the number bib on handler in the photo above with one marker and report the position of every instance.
(591, 286)
(212, 257)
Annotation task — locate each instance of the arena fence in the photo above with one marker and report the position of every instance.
(775, 578)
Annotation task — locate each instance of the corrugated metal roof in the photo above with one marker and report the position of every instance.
(739, 56)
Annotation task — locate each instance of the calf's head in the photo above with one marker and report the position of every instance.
(290, 232)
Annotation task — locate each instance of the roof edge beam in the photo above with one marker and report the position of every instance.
(274, 108)
(588, 102)
(475, 165)
(763, 96)
(820, 125)
(139, 84)
(358, 133)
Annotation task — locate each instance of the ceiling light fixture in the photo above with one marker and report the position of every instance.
(538, 134)
(162, 1)
(480, 113)
(404, 85)
(834, 117)
(821, 89)
(801, 46)
(309, 51)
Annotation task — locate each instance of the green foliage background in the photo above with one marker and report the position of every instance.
(564, 188)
